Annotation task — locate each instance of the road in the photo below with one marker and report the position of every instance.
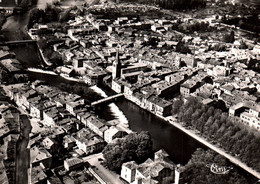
(110, 176)
(22, 162)
(213, 147)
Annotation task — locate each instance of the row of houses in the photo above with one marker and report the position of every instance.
(151, 103)
(54, 108)
(247, 113)
(9, 137)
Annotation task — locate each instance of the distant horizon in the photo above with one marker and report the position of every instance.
(10, 3)
(7, 3)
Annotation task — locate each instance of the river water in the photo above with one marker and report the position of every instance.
(179, 145)
(250, 2)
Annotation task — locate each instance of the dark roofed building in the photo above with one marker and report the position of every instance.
(73, 164)
(158, 106)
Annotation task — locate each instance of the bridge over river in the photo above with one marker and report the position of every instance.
(107, 99)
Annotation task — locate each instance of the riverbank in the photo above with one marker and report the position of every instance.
(71, 78)
(38, 70)
(42, 56)
(215, 148)
(194, 134)
(116, 112)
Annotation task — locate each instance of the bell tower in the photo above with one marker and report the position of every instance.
(116, 71)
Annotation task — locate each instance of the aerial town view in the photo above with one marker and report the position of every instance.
(129, 92)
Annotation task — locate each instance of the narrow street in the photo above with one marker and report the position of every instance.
(22, 162)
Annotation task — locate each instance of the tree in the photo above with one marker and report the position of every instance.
(36, 15)
(51, 13)
(197, 169)
(187, 116)
(135, 146)
(195, 116)
(56, 59)
(208, 125)
(145, 146)
(25, 4)
(209, 112)
(213, 128)
(176, 106)
(43, 44)
(200, 122)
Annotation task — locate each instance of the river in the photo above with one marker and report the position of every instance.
(255, 3)
(179, 145)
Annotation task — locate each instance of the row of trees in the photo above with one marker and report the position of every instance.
(51, 14)
(135, 146)
(250, 24)
(177, 4)
(192, 27)
(219, 127)
(197, 170)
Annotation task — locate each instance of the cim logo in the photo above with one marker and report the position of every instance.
(216, 169)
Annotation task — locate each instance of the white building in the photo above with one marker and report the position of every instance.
(158, 171)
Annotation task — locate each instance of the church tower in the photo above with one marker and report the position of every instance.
(116, 71)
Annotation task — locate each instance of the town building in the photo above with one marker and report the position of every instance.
(247, 113)
(116, 71)
(160, 170)
(73, 163)
(40, 155)
(112, 133)
(88, 141)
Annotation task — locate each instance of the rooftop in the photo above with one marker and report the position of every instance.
(159, 101)
(37, 175)
(73, 161)
(38, 154)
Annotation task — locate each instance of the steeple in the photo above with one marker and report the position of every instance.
(116, 72)
(117, 56)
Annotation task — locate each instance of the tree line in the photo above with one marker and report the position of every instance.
(51, 14)
(250, 24)
(224, 131)
(191, 27)
(177, 4)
